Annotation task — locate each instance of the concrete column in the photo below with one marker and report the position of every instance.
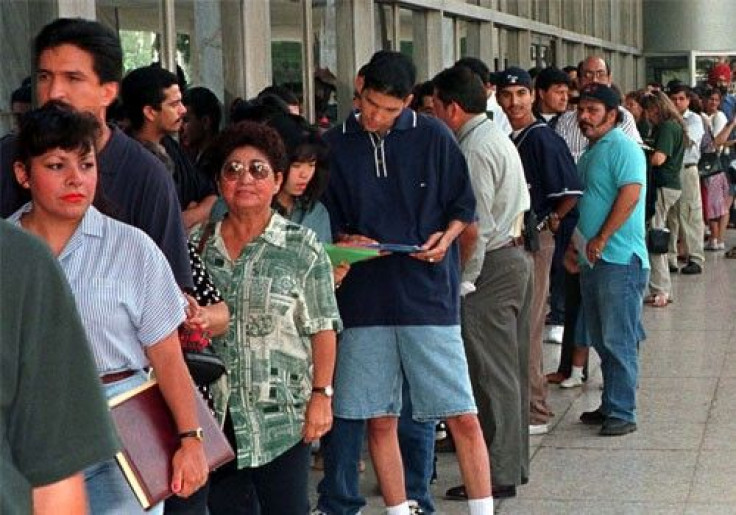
(207, 39)
(427, 50)
(480, 42)
(355, 37)
(232, 52)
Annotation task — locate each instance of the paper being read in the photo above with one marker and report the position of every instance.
(580, 245)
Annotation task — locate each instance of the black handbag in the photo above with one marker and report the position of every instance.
(709, 164)
(658, 241)
(205, 366)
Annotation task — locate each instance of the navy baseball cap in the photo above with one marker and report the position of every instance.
(514, 76)
(602, 93)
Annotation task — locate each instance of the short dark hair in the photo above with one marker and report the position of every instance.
(460, 85)
(476, 66)
(22, 94)
(549, 77)
(55, 125)
(203, 102)
(676, 86)
(282, 92)
(392, 74)
(144, 87)
(424, 89)
(250, 134)
(568, 69)
(96, 39)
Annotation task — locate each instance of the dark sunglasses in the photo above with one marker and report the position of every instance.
(234, 170)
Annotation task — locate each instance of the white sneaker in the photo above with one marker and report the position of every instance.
(414, 507)
(553, 333)
(538, 429)
(721, 245)
(572, 382)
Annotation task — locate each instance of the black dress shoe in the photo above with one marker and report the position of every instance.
(593, 418)
(617, 427)
(674, 269)
(504, 491)
(692, 268)
(458, 493)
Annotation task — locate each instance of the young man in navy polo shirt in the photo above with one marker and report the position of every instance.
(397, 177)
(554, 187)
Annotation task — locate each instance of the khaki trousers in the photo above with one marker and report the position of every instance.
(540, 412)
(659, 281)
(686, 218)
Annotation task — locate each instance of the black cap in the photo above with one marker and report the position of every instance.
(549, 77)
(676, 86)
(514, 76)
(602, 93)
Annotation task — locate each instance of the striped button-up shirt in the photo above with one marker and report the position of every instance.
(125, 291)
(567, 127)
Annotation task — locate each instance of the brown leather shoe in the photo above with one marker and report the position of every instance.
(555, 378)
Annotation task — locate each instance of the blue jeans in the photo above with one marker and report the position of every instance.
(339, 490)
(612, 299)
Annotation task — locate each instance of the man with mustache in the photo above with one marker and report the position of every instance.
(152, 100)
(80, 62)
(612, 259)
(554, 188)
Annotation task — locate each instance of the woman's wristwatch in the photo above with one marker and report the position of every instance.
(327, 391)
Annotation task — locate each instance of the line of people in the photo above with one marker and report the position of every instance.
(508, 196)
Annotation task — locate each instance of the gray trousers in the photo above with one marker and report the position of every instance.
(495, 327)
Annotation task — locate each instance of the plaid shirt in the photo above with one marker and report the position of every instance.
(280, 292)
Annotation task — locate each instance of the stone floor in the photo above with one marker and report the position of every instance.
(682, 460)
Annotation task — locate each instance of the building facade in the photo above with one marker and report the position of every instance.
(237, 47)
(683, 39)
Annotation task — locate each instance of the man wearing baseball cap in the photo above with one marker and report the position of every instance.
(554, 188)
(611, 254)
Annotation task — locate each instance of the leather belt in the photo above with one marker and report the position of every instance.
(515, 242)
(691, 164)
(116, 376)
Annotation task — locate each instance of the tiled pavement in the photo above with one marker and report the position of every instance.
(682, 460)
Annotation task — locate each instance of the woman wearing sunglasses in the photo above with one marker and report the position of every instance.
(280, 349)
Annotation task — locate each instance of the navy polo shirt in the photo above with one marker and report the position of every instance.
(548, 165)
(398, 189)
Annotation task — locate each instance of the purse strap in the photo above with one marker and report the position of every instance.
(206, 233)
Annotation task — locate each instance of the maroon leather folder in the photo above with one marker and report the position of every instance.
(150, 438)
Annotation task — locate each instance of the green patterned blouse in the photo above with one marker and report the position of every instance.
(280, 292)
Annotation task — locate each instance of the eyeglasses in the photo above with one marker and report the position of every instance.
(595, 74)
(234, 170)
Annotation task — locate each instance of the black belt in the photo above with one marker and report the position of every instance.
(691, 164)
(116, 376)
(515, 242)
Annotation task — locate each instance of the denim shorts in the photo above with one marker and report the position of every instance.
(370, 361)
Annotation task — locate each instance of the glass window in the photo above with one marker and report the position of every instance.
(448, 41)
(139, 27)
(663, 69)
(406, 17)
(287, 34)
(384, 26)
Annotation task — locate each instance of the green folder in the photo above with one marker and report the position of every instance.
(339, 254)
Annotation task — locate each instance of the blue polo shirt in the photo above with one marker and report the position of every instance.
(398, 189)
(614, 161)
(548, 166)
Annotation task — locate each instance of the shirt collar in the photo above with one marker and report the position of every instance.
(274, 233)
(471, 124)
(405, 121)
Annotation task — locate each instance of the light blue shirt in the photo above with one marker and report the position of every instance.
(317, 219)
(614, 161)
(124, 289)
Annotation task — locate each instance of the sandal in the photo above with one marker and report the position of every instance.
(731, 254)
